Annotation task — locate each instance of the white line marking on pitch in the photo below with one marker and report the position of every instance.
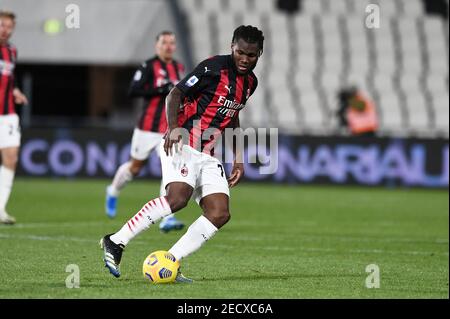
(313, 249)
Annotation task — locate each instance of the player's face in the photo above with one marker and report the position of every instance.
(245, 55)
(6, 29)
(166, 46)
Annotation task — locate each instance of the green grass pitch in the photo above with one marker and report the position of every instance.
(281, 242)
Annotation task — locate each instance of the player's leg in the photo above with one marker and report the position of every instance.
(178, 195)
(9, 158)
(180, 175)
(142, 144)
(9, 152)
(170, 222)
(124, 174)
(215, 214)
(212, 194)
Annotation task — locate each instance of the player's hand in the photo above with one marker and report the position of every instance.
(19, 97)
(165, 89)
(236, 173)
(172, 137)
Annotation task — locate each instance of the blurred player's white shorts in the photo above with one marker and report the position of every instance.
(9, 131)
(143, 143)
(201, 171)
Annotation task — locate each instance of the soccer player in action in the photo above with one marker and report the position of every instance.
(152, 81)
(9, 121)
(211, 96)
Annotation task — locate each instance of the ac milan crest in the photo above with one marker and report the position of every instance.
(184, 171)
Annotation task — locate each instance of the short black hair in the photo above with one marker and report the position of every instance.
(249, 34)
(7, 14)
(165, 32)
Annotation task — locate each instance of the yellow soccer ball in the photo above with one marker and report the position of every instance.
(160, 267)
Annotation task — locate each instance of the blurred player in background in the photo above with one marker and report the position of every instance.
(9, 120)
(152, 81)
(356, 112)
(212, 96)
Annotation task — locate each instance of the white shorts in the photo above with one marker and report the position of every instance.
(143, 143)
(9, 131)
(201, 171)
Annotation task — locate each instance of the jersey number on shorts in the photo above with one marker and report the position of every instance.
(221, 169)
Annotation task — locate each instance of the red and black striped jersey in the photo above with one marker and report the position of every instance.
(8, 57)
(153, 80)
(214, 95)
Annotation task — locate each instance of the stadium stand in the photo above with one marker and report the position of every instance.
(309, 55)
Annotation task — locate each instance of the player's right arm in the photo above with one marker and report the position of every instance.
(173, 101)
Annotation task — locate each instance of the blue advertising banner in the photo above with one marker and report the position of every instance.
(299, 159)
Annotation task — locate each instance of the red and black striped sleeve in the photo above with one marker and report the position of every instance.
(200, 77)
(140, 84)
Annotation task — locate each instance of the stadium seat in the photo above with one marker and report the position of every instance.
(304, 81)
(437, 83)
(264, 6)
(255, 113)
(418, 116)
(313, 114)
(337, 7)
(278, 23)
(213, 5)
(310, 7)
(285, 108)
(385, 51)
(412, 8)
(410, 83)
(392, 117)
(277, 79)
(383, 83)
(238, 6)
(388, 8)
(278, 37)
(251, 18)
(410, 45)
(227, 24)
(307, 46)
(356, 32)
(200, 45)
(441, 111)
(358, 7)
(331, 81)
(189, 6)
(436, 44)
(358, 52)
(332, 43)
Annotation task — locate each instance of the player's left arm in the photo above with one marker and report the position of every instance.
(19, 97)
(238, 165)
